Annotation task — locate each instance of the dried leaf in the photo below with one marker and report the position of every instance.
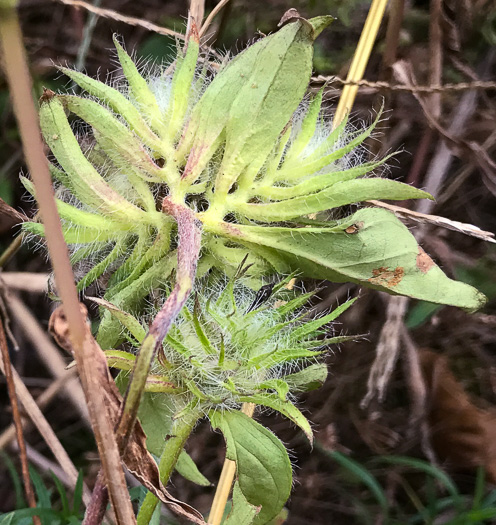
(463, 435)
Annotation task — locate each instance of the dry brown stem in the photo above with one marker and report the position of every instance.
(47, 351)
(20, 90)
(6, 367)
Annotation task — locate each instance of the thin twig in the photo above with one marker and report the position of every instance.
(46, 431)
(211, 16)
(443, 222)
(435, 88)
(16, 416)
(114, 15)
(42, 401)
(130, 20)
(17, 72)
(26, 281)
(87, 36)
(47, 351)
(435, 54)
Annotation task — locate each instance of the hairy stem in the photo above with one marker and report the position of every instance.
(188, 251)
(180, 432)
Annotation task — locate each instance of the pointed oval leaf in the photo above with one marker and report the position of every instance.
(286, 408)
(188, 469)
(371, 247)
(263, 469)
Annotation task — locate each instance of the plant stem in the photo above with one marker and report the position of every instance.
(16, 416)
(188, 252)
(19, 81)
(181, 430)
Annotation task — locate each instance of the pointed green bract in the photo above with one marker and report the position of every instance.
(119, 142)
(181, 88)
(188, 469)
(308, 127)
(140, 91)
(310, 378)
(286, 408)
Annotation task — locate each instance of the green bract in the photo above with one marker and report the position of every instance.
(238, 155)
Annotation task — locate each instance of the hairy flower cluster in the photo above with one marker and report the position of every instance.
(240, 151)
(233, 345)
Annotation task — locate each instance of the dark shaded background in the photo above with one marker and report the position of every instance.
(452, 439)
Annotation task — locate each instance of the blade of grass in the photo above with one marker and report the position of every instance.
(360, 59)
(363, 475)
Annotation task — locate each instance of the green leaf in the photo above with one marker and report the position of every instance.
(339, 194)
(266, 100)
(79, 217)
(117, 140)
(249, 103)
(312, 327)
(155, 414)
(310, 378)
(181, 87)
(281, 355)
(140, 90)
(371, 247)
(242, 511)
(279, 385)
(78, 494)
(42, 493)
(188, 469)
(317, 182)
(110, 330)
(263, 469)
(120, 359)
(307, 129)
(363, 475)
(286, 408)
(77, 235)
(88, 185)
(62, 494)
(325, 154)
(119, 103)
(126, 319)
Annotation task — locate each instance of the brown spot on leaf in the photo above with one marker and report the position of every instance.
(354, 228)
(424, 262)
(383, 276)
(47, 95)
